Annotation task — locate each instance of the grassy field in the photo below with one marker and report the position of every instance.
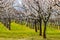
(21, 32)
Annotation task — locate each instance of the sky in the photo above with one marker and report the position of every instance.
(18, 5)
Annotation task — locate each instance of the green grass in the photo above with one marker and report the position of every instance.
(21, 31)
(17, 31)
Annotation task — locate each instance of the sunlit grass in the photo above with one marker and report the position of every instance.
(17, 31)
(21, 31)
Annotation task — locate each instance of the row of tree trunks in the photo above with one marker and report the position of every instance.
(7, 23)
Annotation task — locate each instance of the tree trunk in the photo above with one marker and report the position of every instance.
(9, 24)
(40, 27)
(35, 26)
(44, 33)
